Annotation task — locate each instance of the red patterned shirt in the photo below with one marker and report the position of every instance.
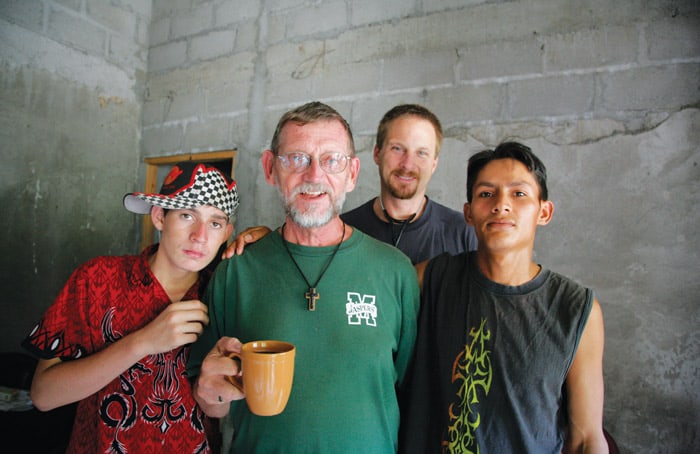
(149, 407)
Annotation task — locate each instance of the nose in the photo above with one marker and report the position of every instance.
(199, 232)
(406, 161)
(501, 203)
(314, 171)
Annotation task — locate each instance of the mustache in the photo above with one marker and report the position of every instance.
(401, 173)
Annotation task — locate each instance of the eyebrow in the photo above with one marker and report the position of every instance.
(513, 184)
(215, 215)
(219, 216)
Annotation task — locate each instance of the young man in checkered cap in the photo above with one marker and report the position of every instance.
(117, 338)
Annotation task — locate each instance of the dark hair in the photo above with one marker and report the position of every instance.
(405, 110)
(508, 150)
(309, 113)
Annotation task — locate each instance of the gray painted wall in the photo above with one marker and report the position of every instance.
(606, 92)
(71, 81)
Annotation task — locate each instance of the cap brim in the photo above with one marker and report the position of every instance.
(136, 205)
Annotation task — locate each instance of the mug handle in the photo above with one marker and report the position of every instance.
(234, 379)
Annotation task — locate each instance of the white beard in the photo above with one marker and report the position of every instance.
(312, 217)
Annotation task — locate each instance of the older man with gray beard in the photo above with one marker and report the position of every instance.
(347, 301)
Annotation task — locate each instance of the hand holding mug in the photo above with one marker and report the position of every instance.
(213, 388)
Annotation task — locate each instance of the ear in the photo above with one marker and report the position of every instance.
(546, 212)
(158, 217)
(268, 165)
(435, 163)
(354, 173)
(376, 154)
(468, 213)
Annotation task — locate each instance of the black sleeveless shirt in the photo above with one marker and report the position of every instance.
(491, 361)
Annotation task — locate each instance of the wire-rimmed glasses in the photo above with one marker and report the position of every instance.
(297, 162)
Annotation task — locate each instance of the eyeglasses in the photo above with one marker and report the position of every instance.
(332, 162)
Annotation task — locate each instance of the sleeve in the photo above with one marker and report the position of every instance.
(419, 392)
(410, 301)
(64, 331)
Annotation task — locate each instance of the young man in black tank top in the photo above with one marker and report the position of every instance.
(509, 354)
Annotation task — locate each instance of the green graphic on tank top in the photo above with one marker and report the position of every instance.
(473, 373)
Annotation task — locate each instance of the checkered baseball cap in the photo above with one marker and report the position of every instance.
(188, 185)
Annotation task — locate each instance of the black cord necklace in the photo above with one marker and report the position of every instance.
(312, 295)
(396, 236)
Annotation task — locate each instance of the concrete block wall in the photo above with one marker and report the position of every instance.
(72, 76)
(606, 92)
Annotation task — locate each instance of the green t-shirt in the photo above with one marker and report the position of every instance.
(352, 351)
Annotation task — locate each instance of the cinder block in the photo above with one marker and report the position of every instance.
(550, 96)
(339, 80)
(237, 11)
(239, 127)
(367, 112)
(442, 5)
(27, 13)
(209, 134)
(276, 28)
(363, 44)
(425, 69)
(170, 55)
(143, 9)
(298, 60)
(246, 37)
(322, 18)
(192, 22)
(371, 11)
(127, 54)
(473, 26)
(75, 31)
(142, 26)
(289, 91)
(465, 103)
(72, 4)
(167, 8)
(500, 59)
(285, 5)
(229, 97)
(211, 45)
(592, 48)
(26, 48)
(159, 31)
(225, 82)
(152, 112)
(673, 38)
(162, 139)
(651, 88)
(289, 71)
(113, 18)
(185, 103)
(205, 76)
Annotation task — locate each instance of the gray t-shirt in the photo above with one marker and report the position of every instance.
(439, 229)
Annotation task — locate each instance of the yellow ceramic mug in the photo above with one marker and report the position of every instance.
(267, 373)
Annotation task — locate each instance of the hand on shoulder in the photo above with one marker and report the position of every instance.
(248, 236)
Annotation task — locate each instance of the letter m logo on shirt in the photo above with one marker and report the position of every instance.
(359, 308)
